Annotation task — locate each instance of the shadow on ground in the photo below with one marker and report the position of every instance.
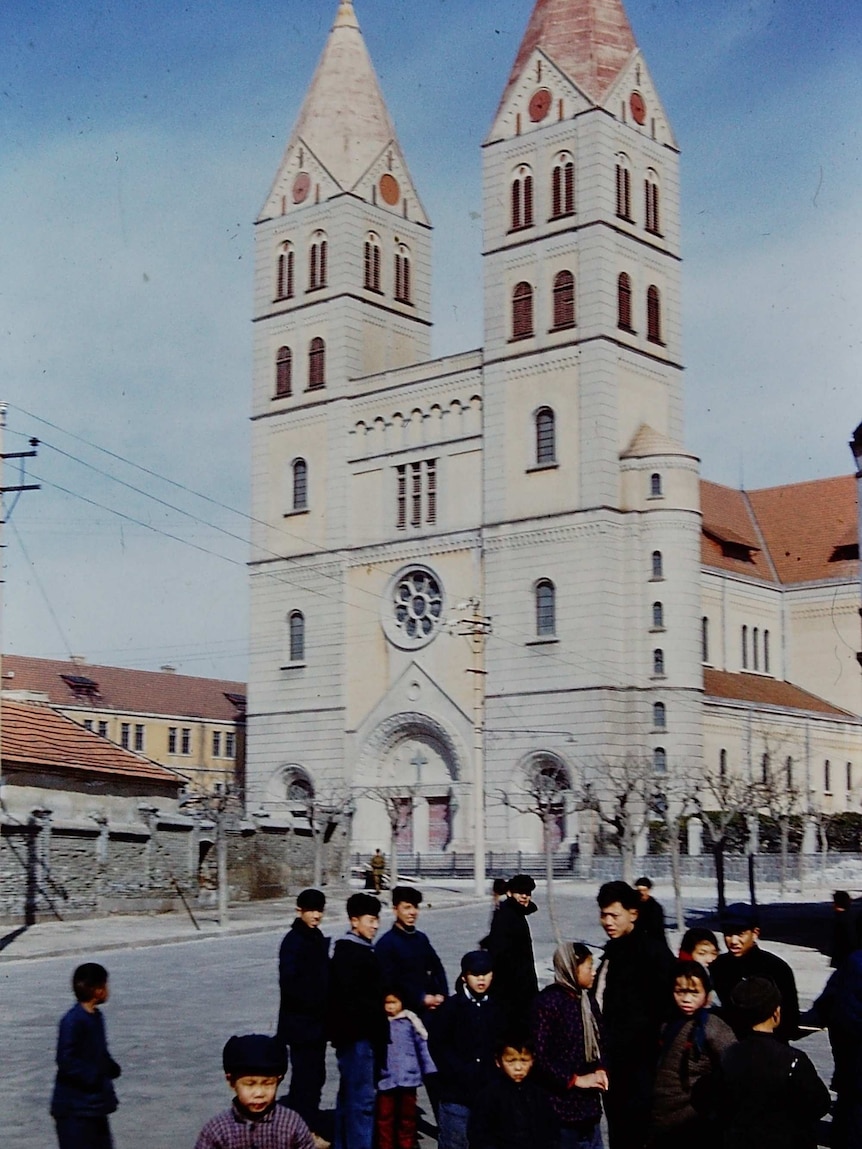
(794, 923)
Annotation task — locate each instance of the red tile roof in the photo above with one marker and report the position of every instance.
(122, 690)
(792, 534)
(35, 735)
(765, 691)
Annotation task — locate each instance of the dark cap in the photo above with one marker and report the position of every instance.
(477, 962)
(755, 999)
(739, 916)
(254, 1055)
(645, 882)
(311, 900)
(521, 884)
(358, 905)
(407, 894)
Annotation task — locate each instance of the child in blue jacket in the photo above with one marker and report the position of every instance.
(407, 1064)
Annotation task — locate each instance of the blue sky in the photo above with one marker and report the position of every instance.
(138, 143)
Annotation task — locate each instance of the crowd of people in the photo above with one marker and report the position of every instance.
(675, 1051)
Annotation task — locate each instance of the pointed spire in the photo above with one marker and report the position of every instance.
(344, 120)
(589, 40)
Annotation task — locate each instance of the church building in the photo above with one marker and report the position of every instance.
(478, 575)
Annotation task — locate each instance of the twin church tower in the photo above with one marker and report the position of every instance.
(539, 482)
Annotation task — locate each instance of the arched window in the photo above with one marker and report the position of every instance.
(300, 485)
(765, 766)
(659, 760)
(722, 764)
(849, 777)
(316, 364)
(624, 188)
(658, 663)
(655, 485)
(522, 199)
(658, 616)
(624, 302)
(296, 629)
(563, 186)
(827, 776)
(284, 273)
(788, 772)
(659, 716)
(651, 203)
(564, 300)
(755, 648)
(745, 648)
(283, 372)
(657, 565)
(317, 261)
(403, 288)
(546, 609)
(704, 639)
(546, 437)
(372, 263)
(522, 311)
(653, 313)
(766, 652)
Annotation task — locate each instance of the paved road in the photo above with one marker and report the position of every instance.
(173, 1006)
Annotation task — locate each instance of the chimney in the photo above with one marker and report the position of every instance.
(169, 669)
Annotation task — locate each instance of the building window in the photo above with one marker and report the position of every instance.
(416, 488)
(88, 724)
(848, 778)
(172, 740)
(403, 286)
(658, 663)
(651, 203)
(216, 744)
(300, 485)
(766, 652)
(283, 372)
(186, 740)
(655, 486)
(755, 648)
(659, 760)
(827, 776)
(522, 199)
(764, 769)
(139, 738)
(564, 300)
(624, 302)
(722, 764)
(316, 364)
(546, 609)
(372, 263)
(546, 437)
(659, 716)
(284, 273)
(658, 616)
(125, 735)
(657, 565)
(522, 311)
(704, 639)
(317, 261)
(296, 634)
(103, 730)
(624, 189)
(563, 187)
(745, 648)
(653, 311)
(788, 772)
(230, 745)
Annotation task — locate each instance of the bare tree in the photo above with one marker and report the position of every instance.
(670, 801)
(326, 810)
(775, 790)
(398, 802)
(719, 797)
(619, 792)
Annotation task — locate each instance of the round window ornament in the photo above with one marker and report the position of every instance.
(390, 189)
(540, 105)
(638, 107)
(413, 608)
(301, 187)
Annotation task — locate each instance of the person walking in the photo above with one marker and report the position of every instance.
(510, 945)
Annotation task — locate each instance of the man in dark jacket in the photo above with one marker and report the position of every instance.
(744, 959)
(839, 1008)
(510, 945)
(769, 1093)
(303, 975)
(358, 1027)
(650, 912)
(633, 991)
(407, 958)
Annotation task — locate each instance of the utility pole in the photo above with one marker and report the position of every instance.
(5, 515)
(477, 627)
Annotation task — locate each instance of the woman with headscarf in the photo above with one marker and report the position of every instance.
(568, 1043)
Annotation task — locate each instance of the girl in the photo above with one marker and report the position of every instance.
(700, 945)
(692, 1045)
(407, 1063)
(568, 1045)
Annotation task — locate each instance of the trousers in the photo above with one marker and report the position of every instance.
(396, 1119)
(307, 1078)
(84, 1133)
(354, 1105)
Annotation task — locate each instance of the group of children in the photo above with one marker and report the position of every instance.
(638, 1039)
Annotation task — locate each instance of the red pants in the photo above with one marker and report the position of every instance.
(396, 1119)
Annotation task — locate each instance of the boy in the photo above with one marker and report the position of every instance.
(511, 1112)
(254, 1066)
(357, 1024)
(83, 1092)
(408, 959)
(770, 1094)
(463, 1036)
(303, 975)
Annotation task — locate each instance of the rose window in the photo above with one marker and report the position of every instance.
(417, 601)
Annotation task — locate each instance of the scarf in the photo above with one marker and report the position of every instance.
(409, 1015)
(566, 974)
